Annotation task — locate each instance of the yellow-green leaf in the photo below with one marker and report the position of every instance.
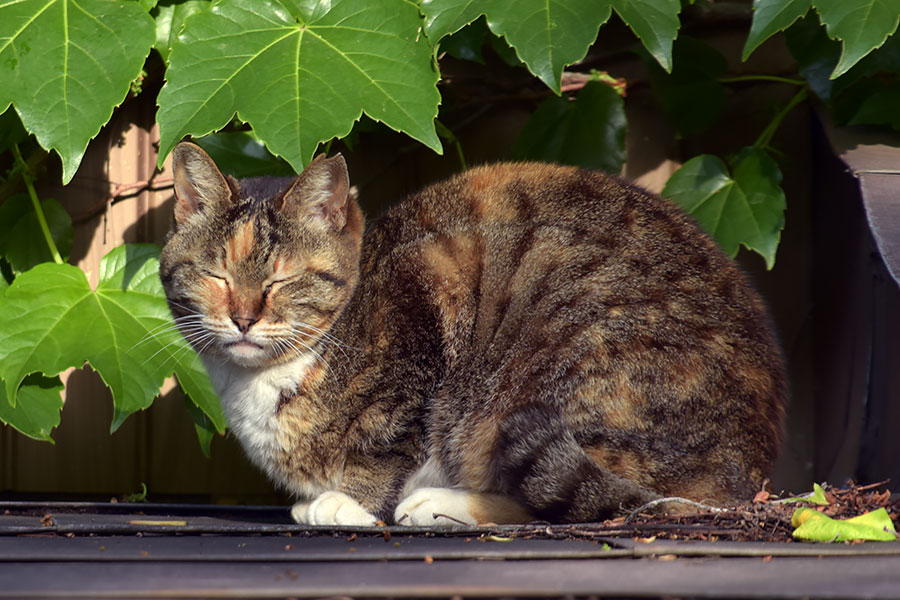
(811, 525)
(817, 496)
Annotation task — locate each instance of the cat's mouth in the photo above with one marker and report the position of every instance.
(243, 346)
(245, 352)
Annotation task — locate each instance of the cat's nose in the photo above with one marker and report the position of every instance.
(244, 323)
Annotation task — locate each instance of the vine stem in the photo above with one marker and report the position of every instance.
(444, 132)
(766, 136)
(772, 78)
(28, 176)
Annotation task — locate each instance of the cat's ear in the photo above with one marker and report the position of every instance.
(321, 192)
(198, 182)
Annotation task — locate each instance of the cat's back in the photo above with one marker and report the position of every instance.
(528, 216)
(572, 286)
(530, 194)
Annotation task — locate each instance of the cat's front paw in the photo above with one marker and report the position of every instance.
(332, 508)
(435, 506)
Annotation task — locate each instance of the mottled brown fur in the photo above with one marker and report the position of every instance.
(555, 339)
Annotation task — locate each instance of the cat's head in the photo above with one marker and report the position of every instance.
(257, 270)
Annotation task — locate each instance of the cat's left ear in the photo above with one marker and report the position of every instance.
(321, 192)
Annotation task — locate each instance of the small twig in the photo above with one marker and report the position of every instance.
(151, 184)
(675, 500)
(436, 515)
(861, 488)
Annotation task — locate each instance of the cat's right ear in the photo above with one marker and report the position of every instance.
(321, 193)
(198, 182)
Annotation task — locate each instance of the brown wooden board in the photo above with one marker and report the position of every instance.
(235, 552)
(791, 577)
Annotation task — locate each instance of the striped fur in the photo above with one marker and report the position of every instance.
(520, 341)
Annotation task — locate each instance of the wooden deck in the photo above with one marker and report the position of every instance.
(164, 551)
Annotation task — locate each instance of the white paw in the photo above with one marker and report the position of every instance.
(435, 506)
(332, 508)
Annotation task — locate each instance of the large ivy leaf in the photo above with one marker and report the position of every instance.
(745, 207)
(123, 330)
(37, 411)
(546, 34)
(21, 239)
(589, 132)
(300, 73)
(861, 25)
(655, 22)
(169, 16)
(770, 17)
(65, 64)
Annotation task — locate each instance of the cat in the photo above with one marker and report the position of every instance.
(520, 342)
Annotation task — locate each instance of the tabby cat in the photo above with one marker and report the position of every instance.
(520, 342)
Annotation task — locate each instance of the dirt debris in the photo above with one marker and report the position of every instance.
(764, 519)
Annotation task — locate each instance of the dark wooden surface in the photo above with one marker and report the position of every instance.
(140, 551)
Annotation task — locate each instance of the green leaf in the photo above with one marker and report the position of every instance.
(655, 22)
(813, 526)
(589, 132)
(37, 411)
(123, 330)
(816, 54)
(546, 34)
(466, 43)
(861, 25)
(300, 77)
(169, 16)
(21, 240)
(770, 17)
(65, 64)
(746, 208)
(692, 96)
(879, 106)
(240, 154)
(817, 497)
(760, 179)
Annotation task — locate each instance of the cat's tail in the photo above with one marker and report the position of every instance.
(539, 462)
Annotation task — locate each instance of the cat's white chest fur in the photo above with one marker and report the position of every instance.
(250, 398)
